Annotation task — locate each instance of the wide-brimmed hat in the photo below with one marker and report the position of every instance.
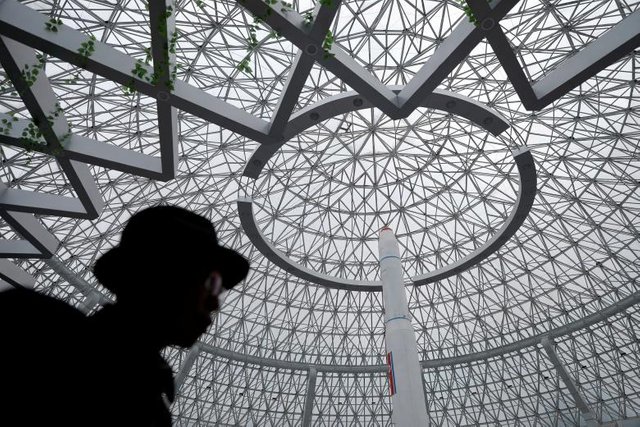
(167, 241)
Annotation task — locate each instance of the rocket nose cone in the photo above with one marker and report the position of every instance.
(387, 243)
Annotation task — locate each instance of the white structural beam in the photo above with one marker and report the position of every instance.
(558, 332)
(20, 22)
(41, 102)
(619, 40)
(199, 103)
(301, 68)
(84, 184)
(309, 397)
(87, 150)
(40, 203)
(13, 276)
(346, 102)
(37, 243)
(519, 213)
(186, 365)
(449, 54)
(581, 403)
(602, 52)
(292, 366)
(503, 50)
(82, 285)
(405, 373)
(438, 99)
(163, 41)
(608, 48)
(291, 25)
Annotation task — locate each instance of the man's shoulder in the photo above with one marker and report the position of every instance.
(29, 303)
(43, 349)
(28, 314)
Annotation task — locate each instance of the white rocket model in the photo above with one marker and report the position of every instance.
(405, 373)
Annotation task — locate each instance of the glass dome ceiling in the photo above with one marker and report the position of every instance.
(260, 112)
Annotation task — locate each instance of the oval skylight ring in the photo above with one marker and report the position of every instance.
(447, 101)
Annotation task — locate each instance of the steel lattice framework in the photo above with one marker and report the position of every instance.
(406, 115)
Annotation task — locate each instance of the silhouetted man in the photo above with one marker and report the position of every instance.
(168, 275)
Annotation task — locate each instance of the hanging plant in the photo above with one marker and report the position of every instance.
(252, 40)
(169, 48)
(6, 125)
(147, 57)
(308, 18)
(286, 7)
(31, 138)
(327, 44)
(129, 88)
(86, 49)
(469, 12)
(140, 71)
(244, 66)
(30, 73)
(53, 24)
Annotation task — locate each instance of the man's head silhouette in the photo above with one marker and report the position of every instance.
(170, 271)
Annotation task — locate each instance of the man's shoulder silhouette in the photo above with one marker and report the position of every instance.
(29, 316)
(12, 304)
(42, 349)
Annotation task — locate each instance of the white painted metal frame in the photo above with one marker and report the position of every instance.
(608, 48)
(302, 120)
(19, 22)
(549, 347)
(70, 150)
(557, 333)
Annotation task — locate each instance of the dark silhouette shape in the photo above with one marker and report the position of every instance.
(62, 368)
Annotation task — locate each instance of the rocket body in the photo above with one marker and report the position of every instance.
(405, 372)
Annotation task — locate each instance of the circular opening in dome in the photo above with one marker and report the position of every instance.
(443, 184)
